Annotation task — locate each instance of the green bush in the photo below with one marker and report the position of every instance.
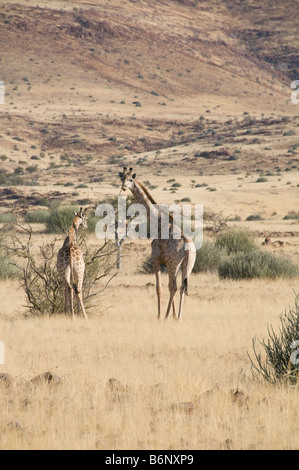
(92, 222)
(186, 199)
(209, 258)
(278, 363)
(3, 178)
(39, 216)
(262, 179)
(60, 219)
(7, 218)
(291, 216)
(257, 264)
(7, 270)
(254, 218)
(236, 241)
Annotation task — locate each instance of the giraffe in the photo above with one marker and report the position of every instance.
(173, 252)
(71, 265)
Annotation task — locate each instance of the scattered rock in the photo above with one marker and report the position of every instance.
(116, 391)
(206, 395)
(47, 377)
(157, 390)
(239, 397)
(267, 241)
(186, 407)
(15, 425)
(263, 401)
(7, 380)
(228, 444)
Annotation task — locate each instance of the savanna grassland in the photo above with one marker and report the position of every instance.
(196, 97)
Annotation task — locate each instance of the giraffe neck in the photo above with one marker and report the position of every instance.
(143, 197)
(152, 209)
(73, 233)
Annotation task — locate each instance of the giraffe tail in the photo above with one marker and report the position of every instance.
(185, 286)
(73, 279)
(75, 287)
(190, 261)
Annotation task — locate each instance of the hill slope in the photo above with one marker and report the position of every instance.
(101, 81)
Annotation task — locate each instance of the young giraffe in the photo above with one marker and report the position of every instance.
(71, 265)
(172, 252)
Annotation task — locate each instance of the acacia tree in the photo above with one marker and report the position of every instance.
(215, 222)
(38, 276)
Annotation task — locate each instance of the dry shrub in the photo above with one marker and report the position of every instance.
(39, 278)
(215, 222)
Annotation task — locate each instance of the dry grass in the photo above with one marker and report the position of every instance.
(165, 370)
(212, 112)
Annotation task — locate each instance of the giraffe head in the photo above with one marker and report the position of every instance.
(127, 178)
(81, 219)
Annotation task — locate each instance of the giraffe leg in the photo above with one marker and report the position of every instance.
(173, 309)
(181, 301)
(172, 289)
(184, 287)
(79, 295)
(72, 302)
(158, 288)
(66, 299)
(80, 298)
(77, 279)
(78, 305)
(66, 274)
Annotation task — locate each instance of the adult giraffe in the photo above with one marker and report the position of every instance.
(174, 252)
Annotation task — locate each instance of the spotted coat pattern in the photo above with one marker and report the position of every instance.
(174, 253)
(71, 265)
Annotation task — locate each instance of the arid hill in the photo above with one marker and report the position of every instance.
(103, 82)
